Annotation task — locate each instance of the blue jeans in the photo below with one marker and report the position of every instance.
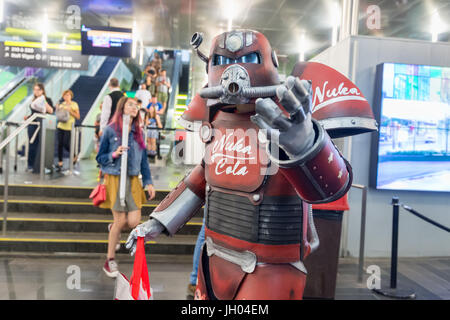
(197, 251)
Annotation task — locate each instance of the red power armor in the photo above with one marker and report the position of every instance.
(267, 159)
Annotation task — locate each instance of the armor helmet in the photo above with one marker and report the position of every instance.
(241, 66)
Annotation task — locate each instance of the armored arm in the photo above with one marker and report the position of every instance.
(182, 203)
(301, 147)
(321, 174)
(174, 211)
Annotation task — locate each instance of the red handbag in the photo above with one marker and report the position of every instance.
(98, 195)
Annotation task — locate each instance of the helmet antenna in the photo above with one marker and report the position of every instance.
(196, 41)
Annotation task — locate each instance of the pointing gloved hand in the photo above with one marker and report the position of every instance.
(149, 230)
(293, 134)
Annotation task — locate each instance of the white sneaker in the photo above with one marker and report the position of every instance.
(111, 268)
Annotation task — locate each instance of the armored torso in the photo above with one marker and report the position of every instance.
(249, 203)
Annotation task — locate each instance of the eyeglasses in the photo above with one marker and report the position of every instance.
(132, 105)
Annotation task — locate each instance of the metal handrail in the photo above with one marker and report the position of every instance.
(19, 129)
(6, 143)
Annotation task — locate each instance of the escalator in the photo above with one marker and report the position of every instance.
(173, 67)
(86, 89)
(6, 76)
(15, 85)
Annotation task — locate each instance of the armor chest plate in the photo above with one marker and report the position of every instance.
(234, 158)
(275, 221)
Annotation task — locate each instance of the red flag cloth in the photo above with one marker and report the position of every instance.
(140, 271)
(138, 288)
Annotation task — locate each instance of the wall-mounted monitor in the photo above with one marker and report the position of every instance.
(412, 107)
(106, 41)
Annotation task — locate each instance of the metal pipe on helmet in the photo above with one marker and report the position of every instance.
(248, 92)
(235, 87)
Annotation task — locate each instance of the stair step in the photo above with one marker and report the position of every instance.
(62, 205)
(89, 242)
(67, 206)
(50, 191)
(84, 223)
(59, 200)
(122, 257)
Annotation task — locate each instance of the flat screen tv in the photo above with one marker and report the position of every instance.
(412, 148)
(106, 41)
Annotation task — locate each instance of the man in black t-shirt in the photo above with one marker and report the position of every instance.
(110, 103)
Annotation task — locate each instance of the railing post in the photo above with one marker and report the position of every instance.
(77, 140)
(72, 147)
(1, 154)
(158, 145)
(394, 246)
(15, 153)
(362, 234)
(5, 187)
(393, 291)
(42, 164)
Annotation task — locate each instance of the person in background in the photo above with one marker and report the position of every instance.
(163, 86)
(195, 261)
(155, 104)
(143, 112)
(150, 81)
(40, 104)
(156, 62)
(64, 128)
(146, 70)
(156, 58)
(157, 66)
(97, 128)
(110, 103)
(143, 95)
(109, 159)
(153, 121)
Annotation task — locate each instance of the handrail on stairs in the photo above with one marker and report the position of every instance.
(6, 144)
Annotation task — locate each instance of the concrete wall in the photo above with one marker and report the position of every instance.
(357, 57)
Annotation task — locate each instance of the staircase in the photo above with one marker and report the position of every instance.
(58, 219)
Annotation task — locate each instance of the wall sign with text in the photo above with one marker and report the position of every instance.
(30, 54)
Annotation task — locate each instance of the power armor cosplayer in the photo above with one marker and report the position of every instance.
(267, 159)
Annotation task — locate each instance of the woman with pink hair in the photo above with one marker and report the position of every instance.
(109, 158)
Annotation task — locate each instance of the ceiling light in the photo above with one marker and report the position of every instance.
(2, 6)
(336, 17)
(45, 29)
(141, 52)
(229, 9)
(437, 26)
(303, 46)
(134, 40)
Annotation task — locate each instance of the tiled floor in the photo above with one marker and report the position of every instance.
(86, 172)
(429, 278)
(46, 278)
